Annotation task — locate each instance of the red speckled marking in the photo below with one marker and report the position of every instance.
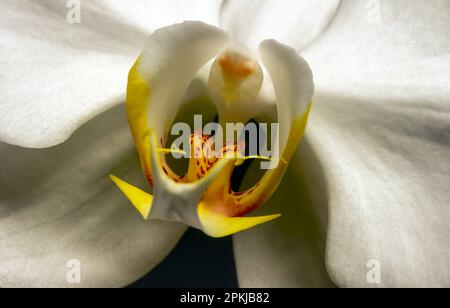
(222, 199)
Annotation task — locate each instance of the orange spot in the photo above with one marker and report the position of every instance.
(236, 65)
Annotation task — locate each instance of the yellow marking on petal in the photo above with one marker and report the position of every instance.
(138, 91)
(141, 200)
(297, 132)
(216, 225)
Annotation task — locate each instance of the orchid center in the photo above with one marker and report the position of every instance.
(159, 83)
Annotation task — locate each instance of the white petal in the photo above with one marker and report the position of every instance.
(155, 14)
(402, 45)
(170, 60)
(387, 171)
(57, 75)
(380, 128)
(288, 252)
(59, 204)
(293, 22)
(293, 84)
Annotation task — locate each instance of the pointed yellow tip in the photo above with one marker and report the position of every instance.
(141, 200)
(216, 225)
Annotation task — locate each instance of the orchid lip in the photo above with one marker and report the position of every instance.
(203, 197)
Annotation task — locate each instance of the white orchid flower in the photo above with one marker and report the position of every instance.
(368, 185)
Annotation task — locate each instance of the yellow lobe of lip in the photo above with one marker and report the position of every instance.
(141, 200)
(216, 225)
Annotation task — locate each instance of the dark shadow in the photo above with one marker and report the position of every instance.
(198, 261)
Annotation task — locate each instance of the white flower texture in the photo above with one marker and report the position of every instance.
(369, 181)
